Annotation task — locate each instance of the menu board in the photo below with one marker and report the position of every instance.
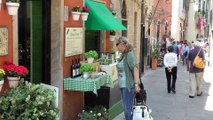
(3, 41)
(73, 41)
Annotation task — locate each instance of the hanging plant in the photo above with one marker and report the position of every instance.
(112, 32)
(76, 9)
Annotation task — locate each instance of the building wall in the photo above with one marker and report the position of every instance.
(7, 21)
(133, 9)
(57, 48)
(134, 26)
(178, 17)
(148, 7)
(191, 28)
(73, 101)
(175, 19)
(163, 13)
(192, 31)
(211, 34)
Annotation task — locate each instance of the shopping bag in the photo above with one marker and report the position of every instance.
(198, 61)
(141, 96)
(140, 111)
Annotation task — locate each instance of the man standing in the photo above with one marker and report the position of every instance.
(196, 74)
(175, 47)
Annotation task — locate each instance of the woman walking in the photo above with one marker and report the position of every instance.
(128, 75)
(170, 62)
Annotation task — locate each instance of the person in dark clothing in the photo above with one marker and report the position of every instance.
(196, 74)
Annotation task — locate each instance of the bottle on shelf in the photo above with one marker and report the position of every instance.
(79, 65)
(76, 68)
(73, 69)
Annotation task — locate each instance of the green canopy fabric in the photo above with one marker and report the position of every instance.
(100, 18)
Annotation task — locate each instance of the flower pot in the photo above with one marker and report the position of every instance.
(90, 60)
(13, 81)
(84, 16)
(1, 84)
(12, 8)
(85, 75)
(154, 64)
(76, 16)
(112, 37)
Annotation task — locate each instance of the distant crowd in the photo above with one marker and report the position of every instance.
(193, 55)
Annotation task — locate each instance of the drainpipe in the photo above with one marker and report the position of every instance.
(142, 39)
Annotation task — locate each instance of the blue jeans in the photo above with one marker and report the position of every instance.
(127, 99)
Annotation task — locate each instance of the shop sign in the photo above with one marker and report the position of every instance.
(3, 41)
(73, 41)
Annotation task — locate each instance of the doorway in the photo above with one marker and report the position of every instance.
(34, 39)
(92, 40)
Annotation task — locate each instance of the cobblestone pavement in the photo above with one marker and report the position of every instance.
(177, 106)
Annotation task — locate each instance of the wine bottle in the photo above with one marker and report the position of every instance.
(73, 69)
(79, 65)
(76, 68)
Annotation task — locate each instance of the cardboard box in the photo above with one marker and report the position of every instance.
(110, 70)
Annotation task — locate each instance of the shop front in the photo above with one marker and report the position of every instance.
(45, 38)
(103, 89)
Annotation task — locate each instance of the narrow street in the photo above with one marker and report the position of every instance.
(177, 106)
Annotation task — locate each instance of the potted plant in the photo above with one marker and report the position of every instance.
(76, 11)
(14, 73)
(155, 55)
(28, 101)
(86, 69)
(113, 13)
(104, 60)
(112, 34)
(84, 13)
(12, 6)
(2, 73)
(91, 55)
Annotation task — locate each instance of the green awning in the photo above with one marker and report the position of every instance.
(100, 18)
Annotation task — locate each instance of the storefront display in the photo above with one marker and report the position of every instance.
(80, 84)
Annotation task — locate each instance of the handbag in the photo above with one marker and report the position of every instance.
(198, 61)
(141, 96)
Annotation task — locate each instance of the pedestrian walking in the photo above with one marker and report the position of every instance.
(196, 74)
(175, 47)
(184, 53)
(128, 75)
(180, 46)
(170, 62)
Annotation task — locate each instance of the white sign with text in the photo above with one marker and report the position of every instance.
(73, 41)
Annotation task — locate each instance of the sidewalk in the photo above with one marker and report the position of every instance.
(177, 106)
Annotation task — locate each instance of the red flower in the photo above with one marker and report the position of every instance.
(13, 70)
(21, 70)
(85, 9)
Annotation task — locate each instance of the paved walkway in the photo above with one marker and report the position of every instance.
(177, 106)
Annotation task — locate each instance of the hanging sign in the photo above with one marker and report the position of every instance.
(3, 41)
(73, 41)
